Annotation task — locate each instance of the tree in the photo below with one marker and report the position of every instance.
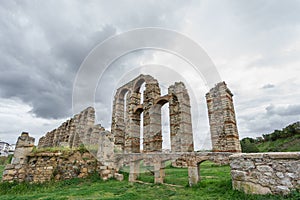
(248, 146)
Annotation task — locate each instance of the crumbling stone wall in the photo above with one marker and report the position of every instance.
(75, 131)
(32, 166)
(47, 166)
(126, 118)
(222, 121)
(263, 173)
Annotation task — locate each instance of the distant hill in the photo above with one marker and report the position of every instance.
(287, 139)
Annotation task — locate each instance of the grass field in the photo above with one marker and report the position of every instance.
(215, 184)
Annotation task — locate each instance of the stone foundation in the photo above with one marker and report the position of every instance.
(263, 173)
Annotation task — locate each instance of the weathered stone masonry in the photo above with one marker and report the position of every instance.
(46, 166)
(70, 162)
(64, 164)
(263, 173)
(222, 121)
(126, 118)
(74, 132)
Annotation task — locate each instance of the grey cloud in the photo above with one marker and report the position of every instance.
(268, 86)
(283, 110)
(275, 117)
(44, 43)
(45, 83)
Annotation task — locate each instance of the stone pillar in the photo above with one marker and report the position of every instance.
(222, 121)
(152, 119)
(76, 139)
(105, 152)
(72, 132)
(159, 172)
(132, 130)
(24, 146)
(42, 142)
(180, 119)
(134, 170)
(154, 137)
(194, 175)
(119, 117)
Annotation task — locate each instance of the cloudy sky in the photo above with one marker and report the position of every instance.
(255, 46)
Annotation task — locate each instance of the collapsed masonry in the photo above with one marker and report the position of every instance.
(124, 139)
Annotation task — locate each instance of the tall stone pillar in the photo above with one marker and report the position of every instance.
(222, 121)
(180, 119)
(119, 118)
(152, 119)
(132, 130)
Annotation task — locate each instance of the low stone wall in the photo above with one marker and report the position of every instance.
(45, 166)
(263, 173)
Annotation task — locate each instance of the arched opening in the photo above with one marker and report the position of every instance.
(209, 171)
(175, 175)
(141, 131)
(138, 85)
(165, 127)
(141, 90)
(125, 105)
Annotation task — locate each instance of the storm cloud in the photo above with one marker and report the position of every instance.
(254, 45)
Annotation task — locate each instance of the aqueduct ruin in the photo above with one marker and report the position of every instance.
(122, 145)
(127, 109)
(108, 151)
(126, 118)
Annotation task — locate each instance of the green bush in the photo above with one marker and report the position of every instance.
(248, 146)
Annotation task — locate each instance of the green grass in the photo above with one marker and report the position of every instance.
(1, 170)
(215, 184)
(281, 145)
